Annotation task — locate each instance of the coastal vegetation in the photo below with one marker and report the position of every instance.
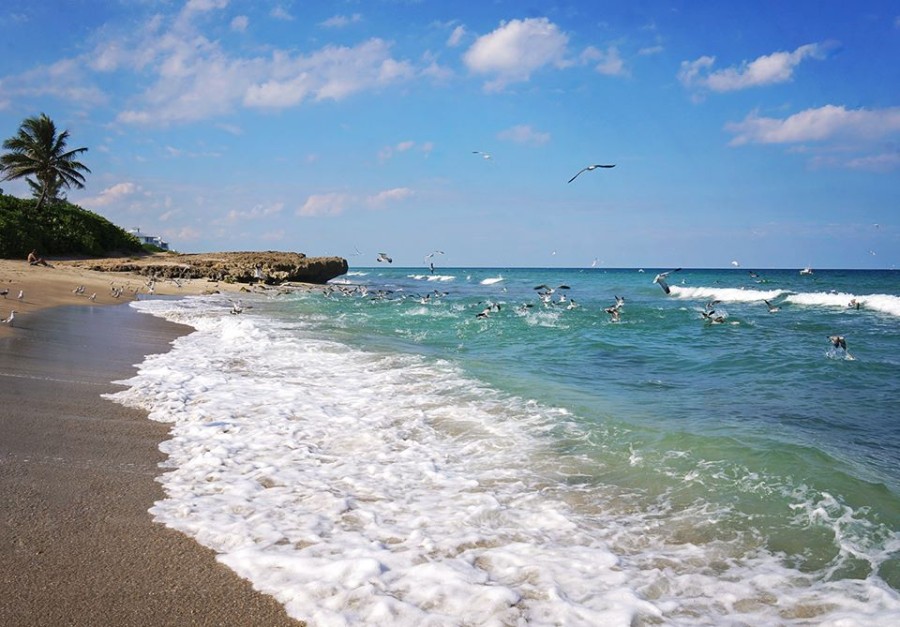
(61, 228)
(49, 223)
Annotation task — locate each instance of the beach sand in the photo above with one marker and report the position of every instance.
(77, 472)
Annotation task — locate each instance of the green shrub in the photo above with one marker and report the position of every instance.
(59, 229)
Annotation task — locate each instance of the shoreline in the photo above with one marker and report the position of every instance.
(78, 473)
(55, 285)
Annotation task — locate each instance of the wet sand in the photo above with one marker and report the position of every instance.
(77, 476)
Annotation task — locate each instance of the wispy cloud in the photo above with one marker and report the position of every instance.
(388, 196)
(777, 67)
(336, 203)
(239, 23)
(111, 195)
(456, 36)
(340, 21)
(515, 50)
(607, 62)
(317, 205)
(824, 123)
(524, 134)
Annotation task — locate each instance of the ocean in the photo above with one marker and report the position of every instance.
(468, 448)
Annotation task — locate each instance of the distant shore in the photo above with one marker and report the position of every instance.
(78, 472)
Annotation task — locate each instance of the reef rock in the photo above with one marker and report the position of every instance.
(270, 267)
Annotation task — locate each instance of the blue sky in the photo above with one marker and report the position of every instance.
(766, 133)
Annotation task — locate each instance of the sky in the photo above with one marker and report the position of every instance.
(751, 134)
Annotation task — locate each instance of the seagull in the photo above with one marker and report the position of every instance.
(484, 155)
(12, 315)
(21, 294)
(590, 168)
(93, 296)
(384, 257)
(661, 279)
(237, 307)
(3, 293)
(429, 261)
(613, 313)
(772, 308)
(838, 341)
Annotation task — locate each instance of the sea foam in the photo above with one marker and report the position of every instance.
(361, 487)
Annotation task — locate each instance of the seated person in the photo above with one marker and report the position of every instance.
(34, 260)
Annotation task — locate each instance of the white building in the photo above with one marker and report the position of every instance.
(153, 240)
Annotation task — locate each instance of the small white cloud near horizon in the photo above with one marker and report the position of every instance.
(113, 194)
(280, 13)
(515, 50)
(819, 124)
(331, 204)
(524, 134)
(388, 196)
(255, 212)
(777, 67)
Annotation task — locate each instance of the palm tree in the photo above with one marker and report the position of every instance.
(38, 151)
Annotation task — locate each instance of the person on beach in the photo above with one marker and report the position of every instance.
(34, 260)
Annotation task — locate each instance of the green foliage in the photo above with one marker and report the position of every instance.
(60, 229)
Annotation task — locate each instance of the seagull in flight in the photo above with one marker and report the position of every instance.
(484, 155)
(661, 279)
(590, 168)
(839, 342)
(384, 257)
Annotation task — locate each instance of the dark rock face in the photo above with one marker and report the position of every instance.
(272, 268)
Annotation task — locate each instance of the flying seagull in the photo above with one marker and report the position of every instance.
(384, 257)
(661, 279)
(589, 168)
(484, 155)
(838, 341)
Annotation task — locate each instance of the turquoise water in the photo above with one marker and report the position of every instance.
(377, 452)
(762, 407)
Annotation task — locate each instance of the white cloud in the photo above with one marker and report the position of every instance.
(650, 50)
(777, 67)
(609, 62)
(255, 212)
(524, 134)
(281, 13)
(388, 196)
(324, 205)
(456, 36)
(111, 195)
(882, 162)
(824, 123)
(239, 23)
(333, 72)
(340, 21)
(517, 49)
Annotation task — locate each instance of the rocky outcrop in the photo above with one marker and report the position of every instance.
(272, 268)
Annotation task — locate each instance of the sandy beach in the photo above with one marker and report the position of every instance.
(77, 472)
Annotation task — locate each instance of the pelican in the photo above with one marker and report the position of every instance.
(384, 257)
(591, 168)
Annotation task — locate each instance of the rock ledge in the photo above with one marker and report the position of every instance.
(270, 267)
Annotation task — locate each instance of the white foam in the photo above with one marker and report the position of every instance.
(387, 489)
(884, 303)
(724, 294)
(442, 278)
